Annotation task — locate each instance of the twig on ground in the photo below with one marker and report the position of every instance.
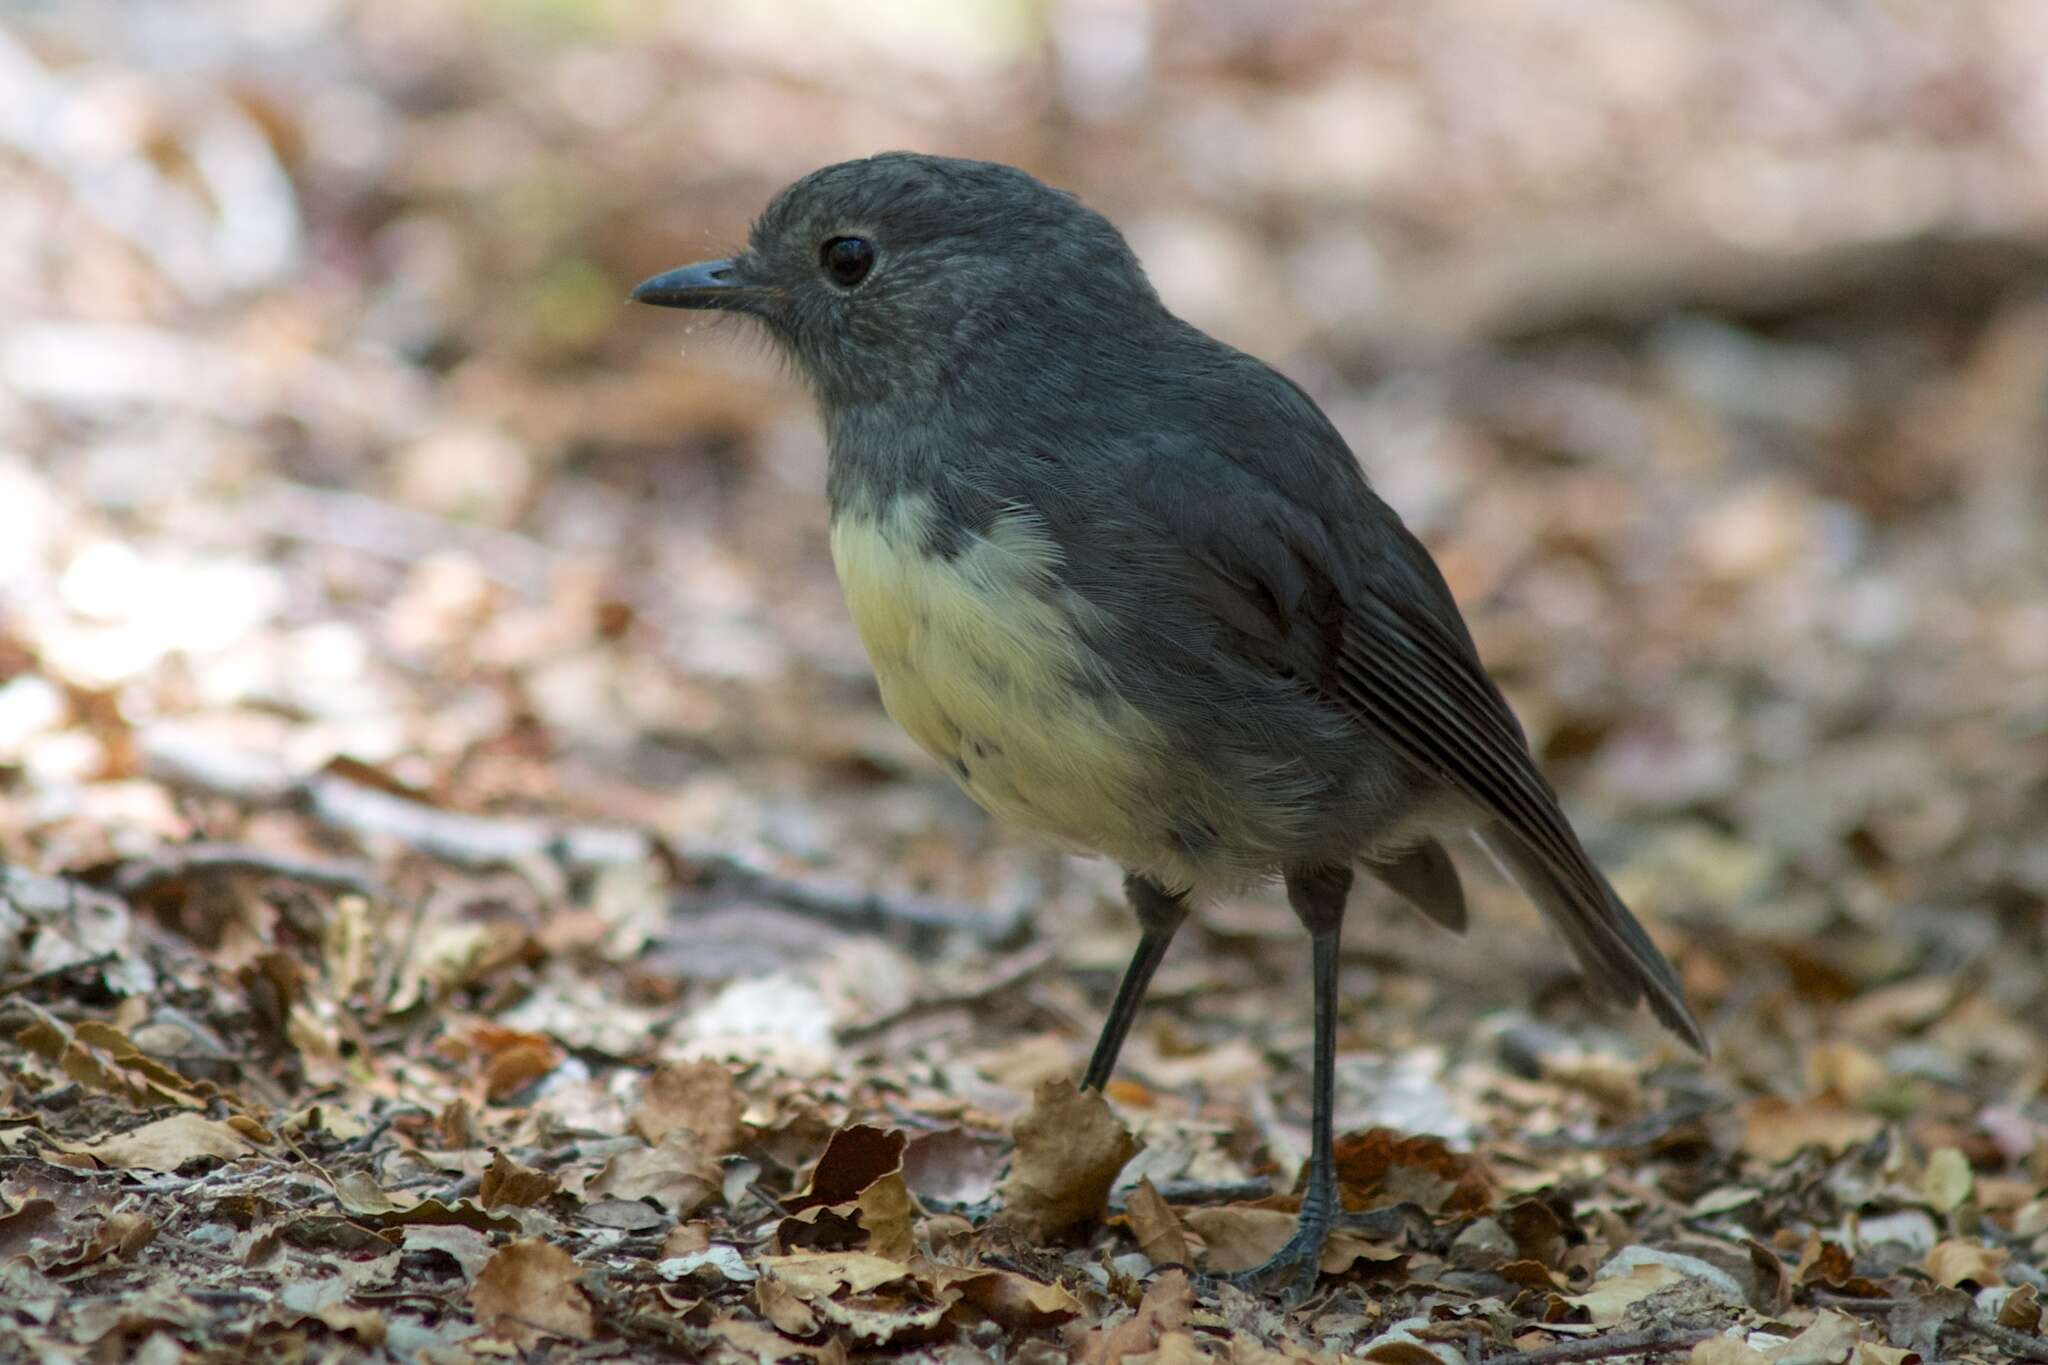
(1601, 1348)
(1021, 971)
(1210, 1191)
(176, 863)
(30, 980)
(862, 911)
(486, 841)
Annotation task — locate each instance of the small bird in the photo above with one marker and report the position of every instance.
(1131, 588)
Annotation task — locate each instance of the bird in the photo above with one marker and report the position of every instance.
(1133, 590)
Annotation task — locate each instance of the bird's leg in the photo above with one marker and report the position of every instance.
(1318, 898)
(1160, 913)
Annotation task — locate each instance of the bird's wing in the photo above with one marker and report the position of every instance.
(1345, 599)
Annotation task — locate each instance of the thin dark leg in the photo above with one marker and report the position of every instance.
(1160, 913)
(1318, 898)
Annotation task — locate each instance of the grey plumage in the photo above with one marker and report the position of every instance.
(1251, 666)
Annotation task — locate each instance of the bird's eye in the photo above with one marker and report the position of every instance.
(847, 260)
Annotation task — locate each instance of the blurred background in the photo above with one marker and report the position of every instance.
(1705, 343)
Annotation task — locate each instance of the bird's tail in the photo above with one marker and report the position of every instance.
(1618, 959)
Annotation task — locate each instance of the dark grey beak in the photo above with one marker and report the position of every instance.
(707, 284)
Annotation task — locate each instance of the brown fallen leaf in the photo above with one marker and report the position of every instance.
(528, 1290)
(1168, 1303)
(1607, 1299)
(26, 1225)
(167, 1144)
(782, 1306)
(821, 1274)
(517, 1061)
(677, 1174)
(855, 1157)
(697, 1095)
(1948, 1180)
(1776, 1130)
(1829, 1340)
(469, 1248)
(1958, 1261)
(1069, 1150)
(118, 1234)
(1155, 1225)
(1236, 1236)
(100, 1057)
(1380, 1166)
(1726, 1351)
(754, 1342)
(888, 1213)
(507, 1183)
(1013, 1300)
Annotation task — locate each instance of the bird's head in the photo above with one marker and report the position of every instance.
(893, 273)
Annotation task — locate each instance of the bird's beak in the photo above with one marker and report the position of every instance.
(707, 284)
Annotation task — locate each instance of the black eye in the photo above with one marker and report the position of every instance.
(847, 260)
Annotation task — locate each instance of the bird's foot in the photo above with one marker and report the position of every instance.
(1293, 1269)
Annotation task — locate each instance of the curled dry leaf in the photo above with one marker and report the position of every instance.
(101, 1057)
(508, 1183)
(1069, 1150)
(1959, 1262)
(678, 1174)
(1237, 1236)
(1379, 1166)
(1168, 1303)
(697, 1095)
(888, 1213)
(118, 1234)
(1155, 1226)
(1012, 1300)
(528, 1290)
(856, 1188)
(783, 1307)
(854, 1158)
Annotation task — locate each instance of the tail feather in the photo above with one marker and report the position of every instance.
(1620, 962)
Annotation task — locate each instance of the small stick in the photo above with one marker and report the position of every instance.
(182, 862)
(29, 980)
(1600, 1348)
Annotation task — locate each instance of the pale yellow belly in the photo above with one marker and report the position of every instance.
(978, 658)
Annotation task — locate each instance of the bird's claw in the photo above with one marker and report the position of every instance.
(1294, 1270)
